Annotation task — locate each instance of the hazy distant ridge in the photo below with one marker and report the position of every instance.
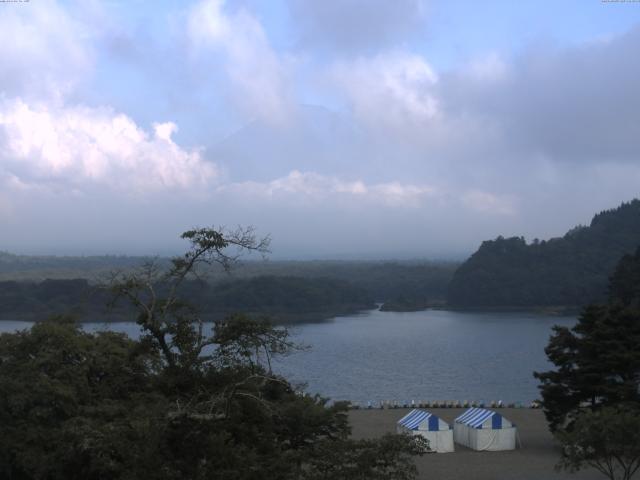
(289, 290)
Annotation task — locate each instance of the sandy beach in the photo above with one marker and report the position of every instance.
(534, 461)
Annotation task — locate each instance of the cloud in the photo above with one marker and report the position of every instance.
(488, 68)
(311, 187)
(500, 124)
(6, 208)
(81, 147)
(45, 50)
(389, 89)
(486, 202)
(355, 26)
(314, 187)
(256, 72)
(47, 140)
(568, 104)
(388, 144)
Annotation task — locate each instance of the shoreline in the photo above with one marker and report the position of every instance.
(535, 460)
(300, 318)
(281, 319)
(551, 310)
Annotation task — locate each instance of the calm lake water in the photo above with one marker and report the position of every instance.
(430, 355)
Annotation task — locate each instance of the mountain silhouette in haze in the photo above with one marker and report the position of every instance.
(315, 139)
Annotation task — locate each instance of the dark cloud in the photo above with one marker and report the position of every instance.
(577, 104)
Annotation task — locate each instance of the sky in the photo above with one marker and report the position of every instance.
(342, 128)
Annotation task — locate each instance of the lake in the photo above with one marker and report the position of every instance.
(430, 355)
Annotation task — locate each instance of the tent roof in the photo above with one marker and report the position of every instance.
(475, 417)
(415, 417)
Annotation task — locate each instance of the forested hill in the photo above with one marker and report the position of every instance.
(284, 299)
(569, 271)
(404, 285)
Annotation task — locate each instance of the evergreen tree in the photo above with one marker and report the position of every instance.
(598, 363)
(625, 283)
(592, 398)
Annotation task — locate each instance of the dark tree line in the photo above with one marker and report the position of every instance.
(288, 291)
(409, 283)
(569, 271)
(286, 298)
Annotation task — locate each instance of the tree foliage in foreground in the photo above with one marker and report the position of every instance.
(598, 363)
(607, 440)
(598, 360)
(592, 398)
(181, 402)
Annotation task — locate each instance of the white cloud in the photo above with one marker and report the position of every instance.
(391, 89)
(255, 70)
(44, 50)
(311, 186)
(45, 141)
(398, 194)
(81, 146)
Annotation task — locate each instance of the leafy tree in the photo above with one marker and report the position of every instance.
(180, 403)
(170, 324)
(607, 440)
(381, 459)
(66, 398)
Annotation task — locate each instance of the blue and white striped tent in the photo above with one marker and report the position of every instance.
(477, 417)
(482, 429)
(428, 425)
